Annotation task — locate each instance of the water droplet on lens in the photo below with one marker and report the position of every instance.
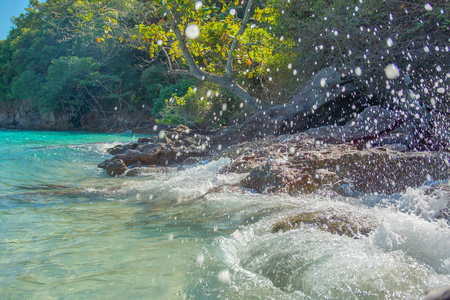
(198, 5)
(390, 42)
(192, 31)
(200, 259)
(392, 71)
(224, 276)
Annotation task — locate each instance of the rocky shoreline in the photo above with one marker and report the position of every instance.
(291, 149)
(305, 146)
(290, 164)
(284, 150)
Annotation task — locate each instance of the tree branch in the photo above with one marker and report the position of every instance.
(194, 70)
(241, 30)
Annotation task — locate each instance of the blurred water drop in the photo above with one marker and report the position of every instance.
(224, 276)
(200, 259)
(392, 71)
(198, 5)
(192, 31)
(390, 42)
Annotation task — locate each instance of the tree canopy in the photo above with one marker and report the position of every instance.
(184, 61)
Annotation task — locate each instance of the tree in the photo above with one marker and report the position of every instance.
(204, 40)
(175, 13)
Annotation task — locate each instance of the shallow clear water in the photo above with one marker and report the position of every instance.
(67, 231)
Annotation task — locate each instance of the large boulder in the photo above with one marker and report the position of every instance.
(115, 167)
(327, 98)
(369, 125)
(166, 149)
(295, 164)
(335, 222)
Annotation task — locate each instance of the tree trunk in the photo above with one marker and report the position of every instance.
(225, 81)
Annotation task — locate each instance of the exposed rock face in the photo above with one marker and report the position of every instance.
(310, 108)
(295, 164)
(335, 222)
(115, 167)
(167, 148)
(32, 119)
(371, 124)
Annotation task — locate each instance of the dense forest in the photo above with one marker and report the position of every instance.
(213, 62)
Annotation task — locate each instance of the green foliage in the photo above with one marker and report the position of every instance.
(28, 87)
(207, 104)
(98, 55)
(82, 56)
(159, 86)
(68, 80)
(354, 34)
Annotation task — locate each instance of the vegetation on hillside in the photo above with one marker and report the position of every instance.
(209, 62)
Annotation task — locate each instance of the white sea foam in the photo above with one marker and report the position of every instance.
(403, 256)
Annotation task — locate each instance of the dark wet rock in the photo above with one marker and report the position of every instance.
(438, 294)
(296, 164)
(147, 155)
(119, 149)
(132, 172)
(335, 222)
(325, 99)
(190, 161)
(115, 167)
(169, 148)
(146, 140)
(369, 125)
(137, 164)
(148, 171)
(280, 178)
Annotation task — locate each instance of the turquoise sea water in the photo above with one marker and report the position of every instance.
(67, 231)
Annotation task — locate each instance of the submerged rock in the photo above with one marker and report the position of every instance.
(438, 294)
(335, 222)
